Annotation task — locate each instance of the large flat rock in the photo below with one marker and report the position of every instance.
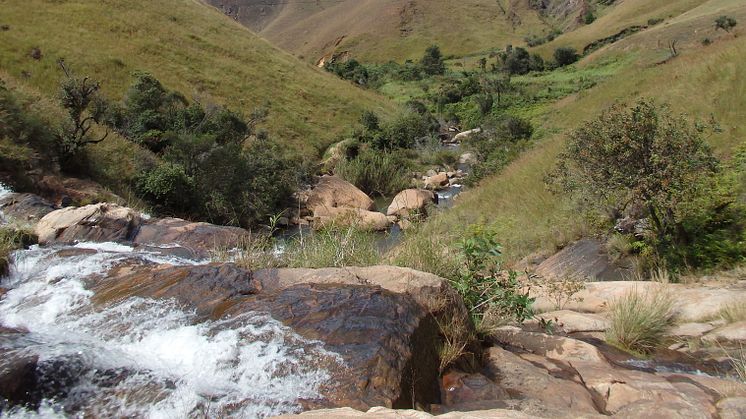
(586, 260)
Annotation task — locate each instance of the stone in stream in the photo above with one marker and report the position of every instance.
(193, 240)
(437, 181)
(379, 320)
(335, 201)
(96, 223)
(410, 200)
(25, 207)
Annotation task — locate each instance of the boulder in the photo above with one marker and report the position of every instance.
(467, 158)
(189, 239)
(25, 207)
(335, 192)
(386, 413)
(466, 134)
(410, 200)
(691, 330)
(437, 181)
(732, 408)
(96, 223)
(571, 321)
(731, 333)
(586, 260)
(524, 380)
(693, 302)
(461, 389)
(377, 323)
(345, 216)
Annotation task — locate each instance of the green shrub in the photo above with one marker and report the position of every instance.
(432, 62)
(376, 172)
(640, 320)
(13, 238)
(725, 23)
(565, 56)
(168, 187)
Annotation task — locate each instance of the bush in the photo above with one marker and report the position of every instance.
(168, 187)
(725, 23)
(640, 320)
(645, 157)
(376, 172)
(565, 56)
(432, 62)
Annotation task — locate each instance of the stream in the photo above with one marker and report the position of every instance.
(141, 357)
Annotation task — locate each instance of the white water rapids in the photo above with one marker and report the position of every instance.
(144, 357)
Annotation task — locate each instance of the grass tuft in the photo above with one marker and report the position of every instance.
(734, 311)
(639, 320)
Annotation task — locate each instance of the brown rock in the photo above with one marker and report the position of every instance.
(345, 216)
(458, 388)
(586, 260)
(523, 380)
(334, 192)
(732, 408)
(97, 223)
(410, 200)
(437, 181)
(25, 207)
(646, 409)
(731, 333)
(194, 240)
(572, 321)
(386, 413)
(691, 330)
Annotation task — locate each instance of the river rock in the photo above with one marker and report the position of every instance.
(386, 413)
(437, 181)
(468, 158)
(357, 217)
(189, 239)
(572, 321)
(379, 321)
(25, 207)
(461, 389)
(732, 408)
(586, 260)
(410, 200)
(524, 380)
(335, 192)
(731, 333)
(466, 134)
(97, 223)
(692, 302)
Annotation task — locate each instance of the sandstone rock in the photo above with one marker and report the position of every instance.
(693, 302)
(437, 181)
(466, 134)
(524, 380)
(646, 409)
(334, 192)
(97, 223)
(458, 388)
(732, 408)
(345, 216)
(25, 207)
(571, 321)
(731, 333)
(189, 239)
(385, 413)
(410, 200)
(586, 260)
(713, 385)
(468, 158)
(554, 347)
(691, 330)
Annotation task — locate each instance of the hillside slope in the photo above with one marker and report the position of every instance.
(382, 30)
(703, 81)
(190, 47)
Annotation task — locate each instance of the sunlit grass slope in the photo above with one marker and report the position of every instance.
(190, 47)
(703, 81)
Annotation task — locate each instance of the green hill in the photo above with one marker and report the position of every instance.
(190, 47)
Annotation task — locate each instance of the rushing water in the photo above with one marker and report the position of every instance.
(144, 357)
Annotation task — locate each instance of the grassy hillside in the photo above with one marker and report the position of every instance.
(191, 48)
(703, 81)
(375, 30)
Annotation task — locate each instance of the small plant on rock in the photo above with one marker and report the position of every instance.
(561, 291)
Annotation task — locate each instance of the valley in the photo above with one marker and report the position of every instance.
(457, 209)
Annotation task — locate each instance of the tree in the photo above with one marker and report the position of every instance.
(725, 23)
(516, 61)
(80, 97)
(432, 62)
(643, 156)
(565, 56)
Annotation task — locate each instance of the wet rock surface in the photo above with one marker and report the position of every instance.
(25, 207)
(188, 239)
(96, 223)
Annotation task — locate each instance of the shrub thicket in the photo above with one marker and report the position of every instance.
(565, 56)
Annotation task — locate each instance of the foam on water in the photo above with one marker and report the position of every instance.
(4, 191)
(166, 363)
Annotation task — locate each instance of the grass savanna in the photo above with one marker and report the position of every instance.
(191, 48)
(394, 30)
(702, 81)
